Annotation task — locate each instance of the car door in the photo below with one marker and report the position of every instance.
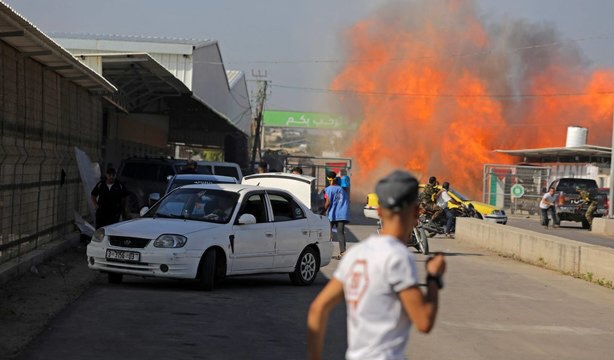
(253, 245)
(291, 228)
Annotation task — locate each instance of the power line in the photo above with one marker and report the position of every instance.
(442, 95)
(449, 55)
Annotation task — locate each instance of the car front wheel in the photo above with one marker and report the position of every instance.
(307, 267)
(206, 271)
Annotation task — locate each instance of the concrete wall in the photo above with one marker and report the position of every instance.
(42, 118)
(603, 226)
(550, 251)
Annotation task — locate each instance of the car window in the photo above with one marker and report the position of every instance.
(227, 171)
(570, 185)
(196, 204)
(141, 171)
(460, 196)
(255, 205)
(285, 208)
(201, 169)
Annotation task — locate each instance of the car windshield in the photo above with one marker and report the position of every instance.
(209, 205)
(460, 196)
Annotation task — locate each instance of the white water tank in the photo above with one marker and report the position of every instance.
(576, 136)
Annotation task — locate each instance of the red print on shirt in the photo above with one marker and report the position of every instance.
(357, 282)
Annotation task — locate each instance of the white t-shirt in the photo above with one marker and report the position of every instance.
(443, 199)
(547, 197)
(373, 273)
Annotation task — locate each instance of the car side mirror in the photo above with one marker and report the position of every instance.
(247, 219)
(144, 211)
(153, 198)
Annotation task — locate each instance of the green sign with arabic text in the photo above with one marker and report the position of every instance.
(310, 120)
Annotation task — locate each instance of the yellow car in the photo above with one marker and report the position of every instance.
(487, 211)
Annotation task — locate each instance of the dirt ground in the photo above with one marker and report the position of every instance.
(30, 301)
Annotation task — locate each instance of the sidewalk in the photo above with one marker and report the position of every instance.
(38, 286)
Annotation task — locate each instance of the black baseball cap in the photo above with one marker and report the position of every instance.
(398, 190)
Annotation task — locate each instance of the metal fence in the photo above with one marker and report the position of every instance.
(42, 118)
(311, 165)
(499, 180)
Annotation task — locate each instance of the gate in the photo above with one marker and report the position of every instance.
(498, 182)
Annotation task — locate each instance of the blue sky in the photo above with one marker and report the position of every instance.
(294, 30)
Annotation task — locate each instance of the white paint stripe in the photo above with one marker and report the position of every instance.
(534, 329)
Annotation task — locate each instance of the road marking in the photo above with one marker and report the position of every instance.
(535, 329)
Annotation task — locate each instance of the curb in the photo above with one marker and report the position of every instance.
(22, 264)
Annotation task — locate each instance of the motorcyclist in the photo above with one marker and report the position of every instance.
(443, 200)
(427, 198)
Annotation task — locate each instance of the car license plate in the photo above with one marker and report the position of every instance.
(123, 255)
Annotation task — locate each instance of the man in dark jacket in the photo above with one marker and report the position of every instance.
(107, 197)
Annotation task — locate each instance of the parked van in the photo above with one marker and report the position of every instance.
(218, 168)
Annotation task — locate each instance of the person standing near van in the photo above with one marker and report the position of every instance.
(337, 206)
(107, 197)
(547, 204)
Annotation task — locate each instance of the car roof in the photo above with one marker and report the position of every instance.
(219, 163)
(229, 179)
(304, 178)
(232, 187)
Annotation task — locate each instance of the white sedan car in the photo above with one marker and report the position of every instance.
(208, 232)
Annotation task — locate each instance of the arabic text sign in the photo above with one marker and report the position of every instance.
(304, 120)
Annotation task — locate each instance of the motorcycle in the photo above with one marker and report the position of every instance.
(417, 238)
(438, 226)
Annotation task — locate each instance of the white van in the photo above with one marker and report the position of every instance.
(215, 168)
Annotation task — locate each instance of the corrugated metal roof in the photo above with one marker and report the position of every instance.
(233, 77)
(585, 150)
(136, 74)
(19, 33)
(139, 38)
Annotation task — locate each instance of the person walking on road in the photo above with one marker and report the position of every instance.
(107, 197)
(547, 204)
(379, 283)
(337, 206)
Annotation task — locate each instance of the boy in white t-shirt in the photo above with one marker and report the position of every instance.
(378, 280)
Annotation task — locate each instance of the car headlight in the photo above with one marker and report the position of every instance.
(98, 235)
(170, 241)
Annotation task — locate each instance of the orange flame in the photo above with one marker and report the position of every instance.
(434, 89)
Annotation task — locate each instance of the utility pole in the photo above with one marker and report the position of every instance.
(262, 93)
(611, 195)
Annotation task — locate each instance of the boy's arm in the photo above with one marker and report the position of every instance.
(331, 295)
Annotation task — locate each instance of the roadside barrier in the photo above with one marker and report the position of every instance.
(553, 252)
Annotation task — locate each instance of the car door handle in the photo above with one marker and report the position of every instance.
(268, 234)
(305, 232)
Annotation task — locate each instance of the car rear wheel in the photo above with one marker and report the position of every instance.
(206, 271)
(115, 278)
(307, 267)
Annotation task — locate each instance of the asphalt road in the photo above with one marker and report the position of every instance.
(491, 307)
(568, 230)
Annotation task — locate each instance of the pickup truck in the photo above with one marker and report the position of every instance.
(569, 199)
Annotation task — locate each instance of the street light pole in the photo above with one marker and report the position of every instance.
(611, 195)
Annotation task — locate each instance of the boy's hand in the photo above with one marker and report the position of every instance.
(436, 265)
